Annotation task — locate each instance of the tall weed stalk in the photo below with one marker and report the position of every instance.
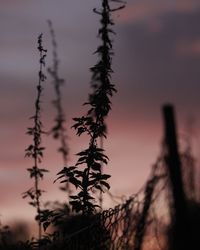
(58, 131)
(35, 149)
(86, 175)
(59, 128)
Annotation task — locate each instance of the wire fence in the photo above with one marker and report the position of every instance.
(142, 222)
(133, 224)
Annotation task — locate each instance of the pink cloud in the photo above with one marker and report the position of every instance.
(144, 10)
(188, 47)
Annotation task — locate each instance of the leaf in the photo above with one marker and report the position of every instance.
(84, 152)
(76, 119)
(64, 181)
(92, 182)
(105, 184)
(99, 187)
(44, 170)
(63, 171)
(32, 203)
(81, 130)
(96, 166)
(75, 182)
(82, 159)
(41, 148)
(30, 147)
(71, 168)
(74, 197)
(60, 177)
(105, 176)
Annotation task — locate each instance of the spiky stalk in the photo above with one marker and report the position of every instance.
(59, 129)
(90, 178)
(35, 150)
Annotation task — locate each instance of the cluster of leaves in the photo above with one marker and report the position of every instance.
(86, 175)
(55, 213)
(59, 130)
(35, 150)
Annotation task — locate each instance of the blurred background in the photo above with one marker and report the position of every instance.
(157, 60)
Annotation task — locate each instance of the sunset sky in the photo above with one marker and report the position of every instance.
(157, 61)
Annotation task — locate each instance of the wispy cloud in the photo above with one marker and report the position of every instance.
(188, 47)
(143, 10)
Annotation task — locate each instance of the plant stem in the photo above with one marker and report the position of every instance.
(35, 151)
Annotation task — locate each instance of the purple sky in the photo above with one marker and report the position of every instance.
(157, 60)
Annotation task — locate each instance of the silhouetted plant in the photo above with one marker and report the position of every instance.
(35, 150)
(9, 238)
(89, 178)
(58, 131)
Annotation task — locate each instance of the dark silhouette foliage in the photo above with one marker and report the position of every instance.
(59, 129)
(89, 178)
(35, 150)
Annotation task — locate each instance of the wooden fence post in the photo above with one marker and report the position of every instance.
(173, 163)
